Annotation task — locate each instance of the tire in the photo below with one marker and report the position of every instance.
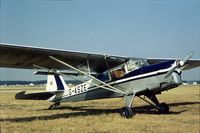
(164, 109)
(126, 112)
(51, 107)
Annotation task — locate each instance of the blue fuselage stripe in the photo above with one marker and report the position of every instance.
(140, 78)
(144, 70)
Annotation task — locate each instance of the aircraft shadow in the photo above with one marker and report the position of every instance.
(83, 111)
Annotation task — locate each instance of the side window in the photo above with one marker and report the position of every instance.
(118, 73)
(130, 65)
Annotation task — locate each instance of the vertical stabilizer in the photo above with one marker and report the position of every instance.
(55, 83)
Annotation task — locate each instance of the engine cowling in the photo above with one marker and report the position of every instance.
(177, 78)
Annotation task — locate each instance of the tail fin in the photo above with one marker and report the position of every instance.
(55, 83)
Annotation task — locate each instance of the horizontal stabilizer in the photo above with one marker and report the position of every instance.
(57, 73)
(35, 96)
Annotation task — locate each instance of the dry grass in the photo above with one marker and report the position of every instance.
(101, 116)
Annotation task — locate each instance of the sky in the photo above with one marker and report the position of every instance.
(135, 28)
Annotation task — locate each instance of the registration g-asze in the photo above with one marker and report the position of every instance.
(78, 89)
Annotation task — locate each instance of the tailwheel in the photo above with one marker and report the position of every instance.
(126, 112)
(164, 108)
(53, 106)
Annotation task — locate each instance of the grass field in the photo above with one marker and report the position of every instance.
(100, 116)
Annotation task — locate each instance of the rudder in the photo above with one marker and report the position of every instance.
(55, 83)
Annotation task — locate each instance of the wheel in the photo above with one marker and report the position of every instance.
(164, 109)
(126, 112)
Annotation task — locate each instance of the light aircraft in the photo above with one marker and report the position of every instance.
(108, 76)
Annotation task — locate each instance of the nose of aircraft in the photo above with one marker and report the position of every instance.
(177, 78)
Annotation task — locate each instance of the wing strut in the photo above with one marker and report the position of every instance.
(111, 88)
(88, 65)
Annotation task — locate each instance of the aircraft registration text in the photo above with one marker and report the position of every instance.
(78, 89)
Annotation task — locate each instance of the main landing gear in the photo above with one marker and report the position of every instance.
(163, 108)
(53, 106)
(127, 111)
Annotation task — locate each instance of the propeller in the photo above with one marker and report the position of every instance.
(180, 63)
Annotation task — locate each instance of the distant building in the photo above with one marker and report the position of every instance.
(185, 83)
(31, 84)
(194, 83)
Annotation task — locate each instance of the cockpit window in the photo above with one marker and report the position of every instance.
(134, 64)
(122, 70)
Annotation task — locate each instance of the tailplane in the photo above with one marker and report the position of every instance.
(55, 85)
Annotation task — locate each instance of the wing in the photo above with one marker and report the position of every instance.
(14, 56)
(190, 64)
(25, 57)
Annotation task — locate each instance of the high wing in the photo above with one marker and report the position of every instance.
(190, 64)
(13, 56)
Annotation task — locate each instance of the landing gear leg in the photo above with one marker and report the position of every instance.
(53, 106)
(126, 111)
(163, 108)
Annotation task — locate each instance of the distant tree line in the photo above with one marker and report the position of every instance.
(40, 82)
(23, 82)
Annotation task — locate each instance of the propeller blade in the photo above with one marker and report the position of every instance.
(171, 71)
(180, 63)
(187, 57)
